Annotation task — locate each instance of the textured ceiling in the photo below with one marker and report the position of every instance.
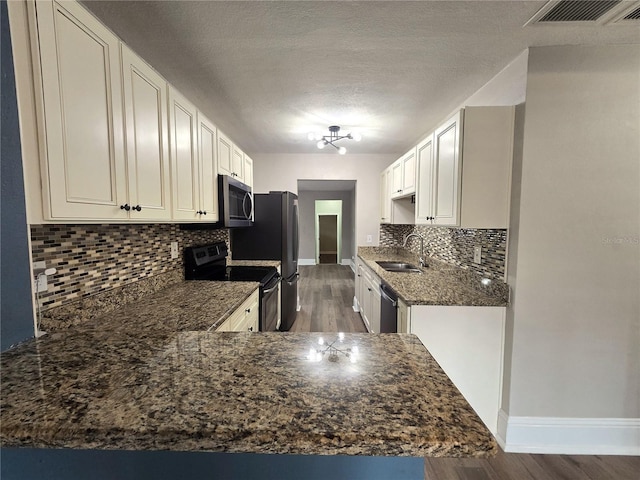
(268, 72)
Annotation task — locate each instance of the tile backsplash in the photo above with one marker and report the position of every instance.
(93, 259)
(453, 245)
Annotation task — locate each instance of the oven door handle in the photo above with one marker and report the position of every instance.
(269, 290)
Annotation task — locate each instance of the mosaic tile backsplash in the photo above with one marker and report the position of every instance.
(93, 259)
(453, 245)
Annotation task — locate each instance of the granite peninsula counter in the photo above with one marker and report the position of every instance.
(235, 392)
(151, 387)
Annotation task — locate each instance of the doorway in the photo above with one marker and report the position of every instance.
(328, 231)
(328, 239)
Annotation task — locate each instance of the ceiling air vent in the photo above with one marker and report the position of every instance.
(578, 10)
(561, 12)
(632, 15)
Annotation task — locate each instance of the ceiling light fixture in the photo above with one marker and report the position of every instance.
(334, 136)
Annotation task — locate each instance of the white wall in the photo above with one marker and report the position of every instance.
(576, 309)
(282, 172)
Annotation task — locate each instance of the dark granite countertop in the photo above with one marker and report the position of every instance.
(233, 392)
(438, 284)
(184, 305)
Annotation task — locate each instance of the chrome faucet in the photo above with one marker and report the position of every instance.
(421, 257)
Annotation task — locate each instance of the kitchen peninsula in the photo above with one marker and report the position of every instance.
(129, 395)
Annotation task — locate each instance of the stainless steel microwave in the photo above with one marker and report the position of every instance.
(235, 202)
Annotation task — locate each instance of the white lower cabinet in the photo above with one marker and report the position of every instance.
(245, 318)
(403, 317)
(368, 296)
(467, 342)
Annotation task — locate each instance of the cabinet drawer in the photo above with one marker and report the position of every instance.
(244, 317)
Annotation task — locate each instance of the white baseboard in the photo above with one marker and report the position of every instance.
(569, 436)
(346, 262)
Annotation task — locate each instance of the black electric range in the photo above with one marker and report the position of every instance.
(209, 262)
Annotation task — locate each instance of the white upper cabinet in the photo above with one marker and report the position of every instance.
(425, 175)
(146, 138)
(248, 170)
(184, 157)
(207, 152)
(446, 194)
(403, 175)
(409, 172)
(117, 144)
(487, 161)
(225, 154)
(230, 158)
(464, 170)
(385, 196)
(237, 163)
(84, 174)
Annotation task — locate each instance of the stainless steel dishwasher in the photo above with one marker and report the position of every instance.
(388, 309)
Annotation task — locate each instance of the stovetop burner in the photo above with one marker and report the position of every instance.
(208, 262)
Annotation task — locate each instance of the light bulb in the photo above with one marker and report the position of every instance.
(320, 144)
(341, 336)
(311, 136)
(356, 136)
(321, 341)
(342, 150)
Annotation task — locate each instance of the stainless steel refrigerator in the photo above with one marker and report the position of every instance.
(273, 236)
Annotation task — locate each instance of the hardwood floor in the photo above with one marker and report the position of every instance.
(326, 296)
(326, 299)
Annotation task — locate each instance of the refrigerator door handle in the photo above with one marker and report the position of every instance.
(292, 279)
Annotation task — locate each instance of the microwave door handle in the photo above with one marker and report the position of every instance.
(244, 210)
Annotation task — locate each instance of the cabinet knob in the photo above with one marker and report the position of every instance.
(125, 207)
(204, 212)
(251, 329)
(199, 212)
(248, 310)
(137, 208)
(398, 191)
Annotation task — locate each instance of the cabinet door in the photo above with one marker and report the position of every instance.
(184, 157)
(248, 170)
(409, 172)
(385, 200)
(396, 179)
(448, 172)
(207, 147)
(375, 304)
(425, 183)
(145, 105)
(225, 154)
(403, 317)
(237, 163)
(84, 165)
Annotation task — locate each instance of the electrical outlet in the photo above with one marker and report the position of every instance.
(477, 255)
(174, 250)
(369, 239)
(41, 280)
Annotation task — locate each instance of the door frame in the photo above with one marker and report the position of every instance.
(329, 207)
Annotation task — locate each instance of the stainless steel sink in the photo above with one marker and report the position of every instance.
(399, 267)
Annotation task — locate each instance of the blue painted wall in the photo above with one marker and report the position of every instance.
(16, 313)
